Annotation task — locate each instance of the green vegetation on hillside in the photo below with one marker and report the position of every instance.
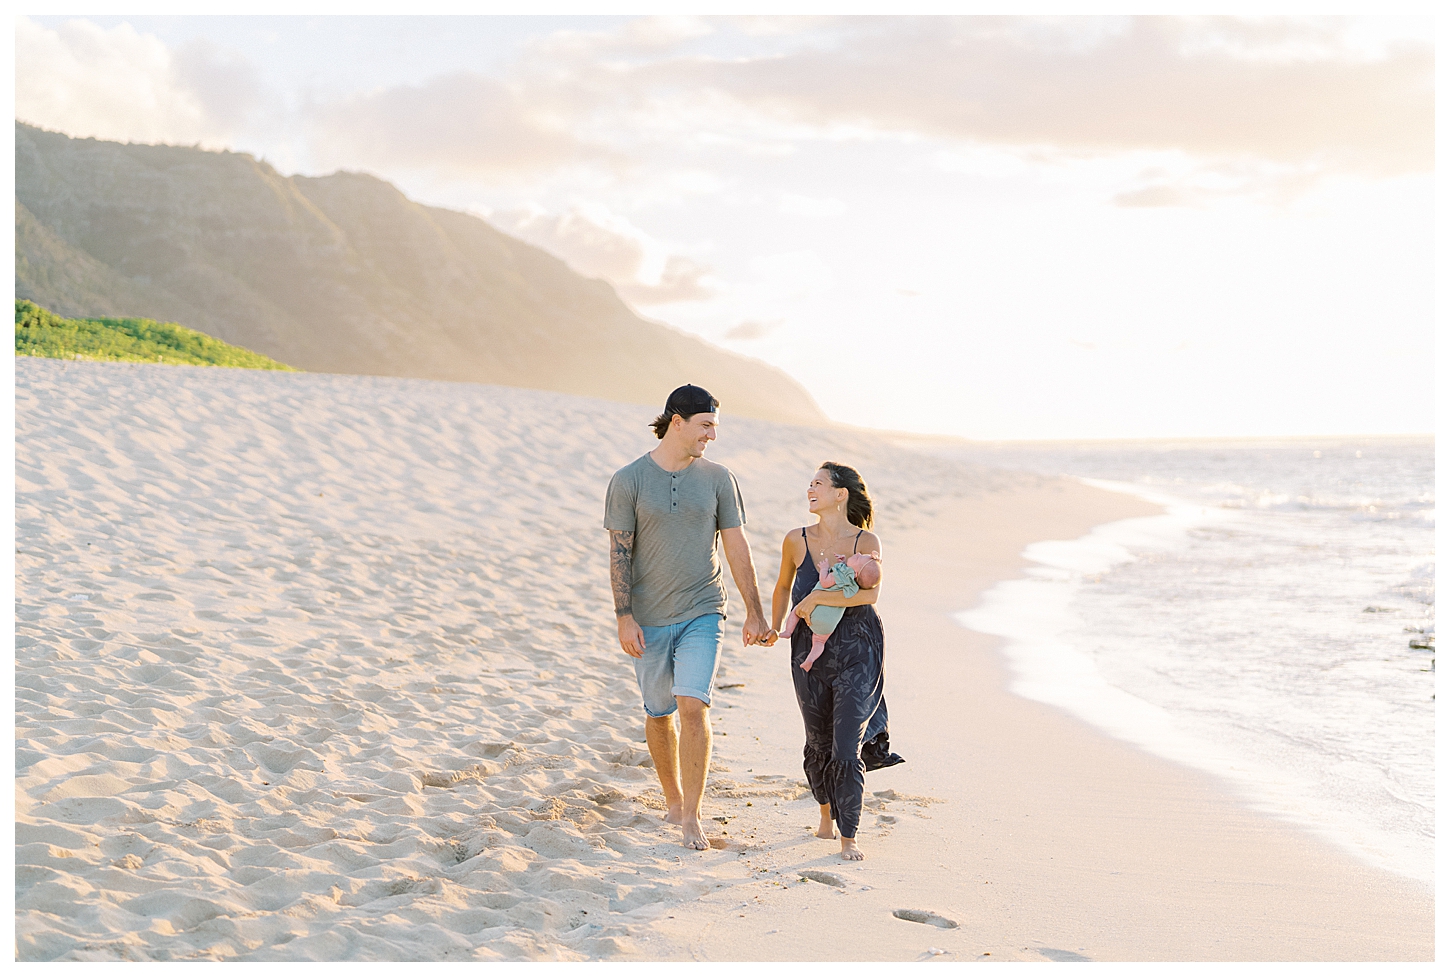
(39, 332)
(344, 274)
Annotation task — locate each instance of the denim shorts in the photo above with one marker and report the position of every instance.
(679, 659)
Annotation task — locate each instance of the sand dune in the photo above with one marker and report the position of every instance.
(321, 667)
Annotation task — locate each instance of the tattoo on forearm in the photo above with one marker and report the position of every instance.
(621, 570)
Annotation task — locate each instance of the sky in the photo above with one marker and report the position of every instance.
(991, 227)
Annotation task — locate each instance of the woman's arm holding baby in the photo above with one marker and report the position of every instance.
(867, 594)
(834, 598)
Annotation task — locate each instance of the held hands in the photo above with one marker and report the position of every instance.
(755, 631)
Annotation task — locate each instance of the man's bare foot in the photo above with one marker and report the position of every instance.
(676, 813)
(694, 836)
(849, 851)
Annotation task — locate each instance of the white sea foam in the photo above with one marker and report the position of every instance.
(1036, 614)
(1202, 636)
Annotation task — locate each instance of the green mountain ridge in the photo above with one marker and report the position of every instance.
(40, 332)
(343, 274)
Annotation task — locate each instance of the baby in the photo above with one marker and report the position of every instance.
(848, 575)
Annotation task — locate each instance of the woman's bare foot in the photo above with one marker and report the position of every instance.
(827, 829)
(694, 835)
(849, 851)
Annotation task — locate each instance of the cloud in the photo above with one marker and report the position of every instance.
(1198, 186)
(224, 83)
(1158, 195)
(581, 238)
(1285, 91)
(793, 275)
(1298, 93)
(681, 280)
(752, 329)
(642, 35)
(119, 84)
(650, 101)
(458, 123)
(600, 244)
(797, 205)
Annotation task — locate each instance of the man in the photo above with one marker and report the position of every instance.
(663, 511)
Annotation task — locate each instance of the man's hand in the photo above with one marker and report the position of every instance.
(770, 639)
(754, 629)
(631, 637)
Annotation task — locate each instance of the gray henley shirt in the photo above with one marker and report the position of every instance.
(675, 517)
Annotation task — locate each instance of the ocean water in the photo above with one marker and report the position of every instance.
(1269, 628)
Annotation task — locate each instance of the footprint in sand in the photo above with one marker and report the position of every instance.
(825, 878)
(921, 916)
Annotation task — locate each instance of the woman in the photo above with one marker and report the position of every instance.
(840, 697)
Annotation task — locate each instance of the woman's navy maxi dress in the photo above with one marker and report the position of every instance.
(841, 701)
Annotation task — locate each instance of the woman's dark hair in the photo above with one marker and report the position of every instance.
(858, 503)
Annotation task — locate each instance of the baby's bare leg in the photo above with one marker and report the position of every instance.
(818, 645)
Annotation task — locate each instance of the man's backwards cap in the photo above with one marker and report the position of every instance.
(690, 399)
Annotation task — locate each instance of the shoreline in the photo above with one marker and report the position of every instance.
(1048, 671)
(1040, 836)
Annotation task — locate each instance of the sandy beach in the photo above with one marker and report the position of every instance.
(317, 667)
